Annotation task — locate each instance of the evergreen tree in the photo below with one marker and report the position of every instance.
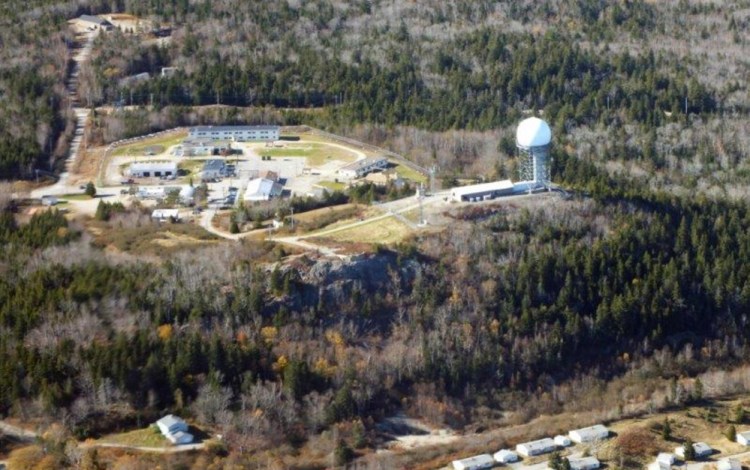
(90, 190)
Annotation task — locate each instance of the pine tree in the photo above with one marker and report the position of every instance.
(90, 190)
(666, 430)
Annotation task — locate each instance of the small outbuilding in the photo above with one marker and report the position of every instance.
(701, 450)
(665, 458)
(584, 463)
(589, 434)
(538, 447)
(49, 200)
(743, 438)
(729, 464)
(505, 456)
(477, 462)
(166, 214)
(562, 441)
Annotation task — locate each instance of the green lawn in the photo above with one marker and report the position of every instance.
(149, 437)
(140, 148)
(75, 197)
(410, 174)
(317, 154)
(332, 185)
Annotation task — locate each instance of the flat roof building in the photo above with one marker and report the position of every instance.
(729, 464)
(584, 463)
(213, 169)
(165, 214)
(153, 169)
(589, 434)
(481, 192)
(193, 147)
(743, 438)
(505, 456)
(562, 441)
(261, 189)
(477, 462)
(362, 167)
(235, 133)
(538, 447)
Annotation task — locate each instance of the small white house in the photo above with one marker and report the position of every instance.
(166, 214)
(589, 434)
(477, 462)
(49, 200)
(584, 463)
(505, 456)
(665, 458)
(701, 450)
(538, 447)
(562, 441)
(728, 464)
(744, 438)
(171, 424)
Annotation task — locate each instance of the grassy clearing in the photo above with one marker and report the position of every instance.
(332, 185)
(324, 218)
(149, 437)
(410, 174)
(387, 230)
(152, 237)
(317, 154)
(75, 197)
(141, 147)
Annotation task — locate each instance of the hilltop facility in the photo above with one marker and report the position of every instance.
(235, 133)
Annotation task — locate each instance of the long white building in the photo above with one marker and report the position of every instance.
(483, 191)
(235, 133)
(478, 462)
(538, 447)
(589, 434)
(153, 170)
(362, 167)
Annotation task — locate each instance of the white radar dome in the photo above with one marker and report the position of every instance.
(533, 132)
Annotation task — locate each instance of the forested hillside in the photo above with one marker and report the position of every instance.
(512, 300)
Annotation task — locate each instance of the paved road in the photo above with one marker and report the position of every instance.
(82, 115)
